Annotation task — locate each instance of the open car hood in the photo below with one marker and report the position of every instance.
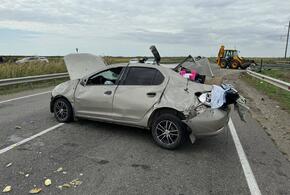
(82, 64)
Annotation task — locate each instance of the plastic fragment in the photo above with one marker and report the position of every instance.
(7, 189)
(9, 164)
(59, 169)
(35, 190)
(65, 185)
(47, 182)
(76, 182)
(18, 127)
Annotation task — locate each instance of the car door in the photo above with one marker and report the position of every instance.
(94, 98)
(140, 89)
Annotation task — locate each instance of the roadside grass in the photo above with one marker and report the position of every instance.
(270, 60)
(13, 70)
(5, 90)
(280, 95)
(281, 74)
(57, 65)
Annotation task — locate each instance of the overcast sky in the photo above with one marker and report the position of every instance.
(129, 27)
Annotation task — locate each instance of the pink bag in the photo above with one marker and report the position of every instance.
(182, 72)
(193, 75)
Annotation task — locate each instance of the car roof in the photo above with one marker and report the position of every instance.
(164, 70)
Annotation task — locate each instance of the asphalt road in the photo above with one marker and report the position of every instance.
(113, 159)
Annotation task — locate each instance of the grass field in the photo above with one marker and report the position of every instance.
(280, 95)
(283, 75)
(56, 65)
(12, 70)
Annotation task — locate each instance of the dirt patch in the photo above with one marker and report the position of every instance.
(267, 112)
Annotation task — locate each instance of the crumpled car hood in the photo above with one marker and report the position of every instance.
(82, 64)
(66, 88)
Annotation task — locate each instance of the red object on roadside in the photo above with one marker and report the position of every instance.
(193, 75)
(183, 72)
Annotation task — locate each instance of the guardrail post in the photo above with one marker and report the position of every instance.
(261, 65)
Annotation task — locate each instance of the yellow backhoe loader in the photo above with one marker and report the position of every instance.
(229, 58)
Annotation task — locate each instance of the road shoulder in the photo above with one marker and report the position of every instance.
(268, 113)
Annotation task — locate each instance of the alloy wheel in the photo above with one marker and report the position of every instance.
(167, 132)
(61, 110)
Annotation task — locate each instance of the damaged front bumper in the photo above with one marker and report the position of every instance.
(208, 123)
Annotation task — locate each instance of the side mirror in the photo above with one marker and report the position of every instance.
(83, 82)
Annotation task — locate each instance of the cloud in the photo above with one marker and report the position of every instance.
(117, 27)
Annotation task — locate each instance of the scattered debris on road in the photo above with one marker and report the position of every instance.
(63, 186)
(9, 164)
(22, 173)
(7, 189)
(35, 190)
(47, 182)
(59, 169)
(74, 183)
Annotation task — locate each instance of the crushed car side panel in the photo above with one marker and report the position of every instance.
(202, 120)
(180, 93)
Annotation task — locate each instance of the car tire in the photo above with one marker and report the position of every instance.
(167, 131)
(62, 110)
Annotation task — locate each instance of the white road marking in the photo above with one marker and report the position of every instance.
(212, 75)
(252, 183)
(30, 138)
(23, 97)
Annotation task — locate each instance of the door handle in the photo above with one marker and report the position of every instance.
(108, 93)
(151, 94)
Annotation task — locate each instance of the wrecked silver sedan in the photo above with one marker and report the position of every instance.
(142, 95)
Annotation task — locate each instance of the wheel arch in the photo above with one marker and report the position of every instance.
(162, 110)
(56, 98)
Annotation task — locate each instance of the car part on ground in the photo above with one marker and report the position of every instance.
(229, 58)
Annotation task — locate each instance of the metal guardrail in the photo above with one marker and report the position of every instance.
(273, 81)
(29, 79)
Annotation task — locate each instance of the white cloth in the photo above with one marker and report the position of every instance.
(217, 97)
(187, 75)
